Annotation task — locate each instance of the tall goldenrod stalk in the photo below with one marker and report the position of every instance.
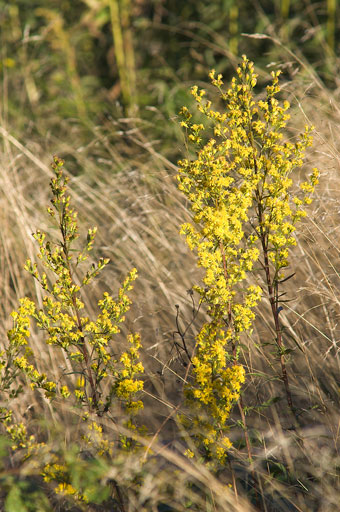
(239, 186)
(227, 254)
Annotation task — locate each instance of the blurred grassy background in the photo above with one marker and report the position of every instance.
(100, 82)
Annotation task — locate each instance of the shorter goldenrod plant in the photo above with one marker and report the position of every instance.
(87, 344)
(100, 380)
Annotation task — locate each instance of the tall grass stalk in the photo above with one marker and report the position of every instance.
(123, 48)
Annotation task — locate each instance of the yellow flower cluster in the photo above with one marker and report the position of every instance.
(215, 388)
(245, 167)
(127, 385)
(99, 377)
(56, 466)
(94, 438)
(21, 440)
(238, 184)
(221, 183)
(59, 474)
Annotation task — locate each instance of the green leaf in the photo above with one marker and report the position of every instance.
(14, 501)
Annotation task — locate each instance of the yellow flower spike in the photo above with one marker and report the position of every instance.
(245, 163)
(99, 379)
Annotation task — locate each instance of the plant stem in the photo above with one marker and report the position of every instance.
(272, 286)
(82, 342)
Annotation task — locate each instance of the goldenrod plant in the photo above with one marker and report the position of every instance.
(99, 379)
(240, 188)
(86, 343)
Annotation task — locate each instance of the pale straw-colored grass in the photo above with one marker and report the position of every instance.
(124, 185)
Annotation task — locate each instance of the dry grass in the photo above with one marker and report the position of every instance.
(127, 188)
